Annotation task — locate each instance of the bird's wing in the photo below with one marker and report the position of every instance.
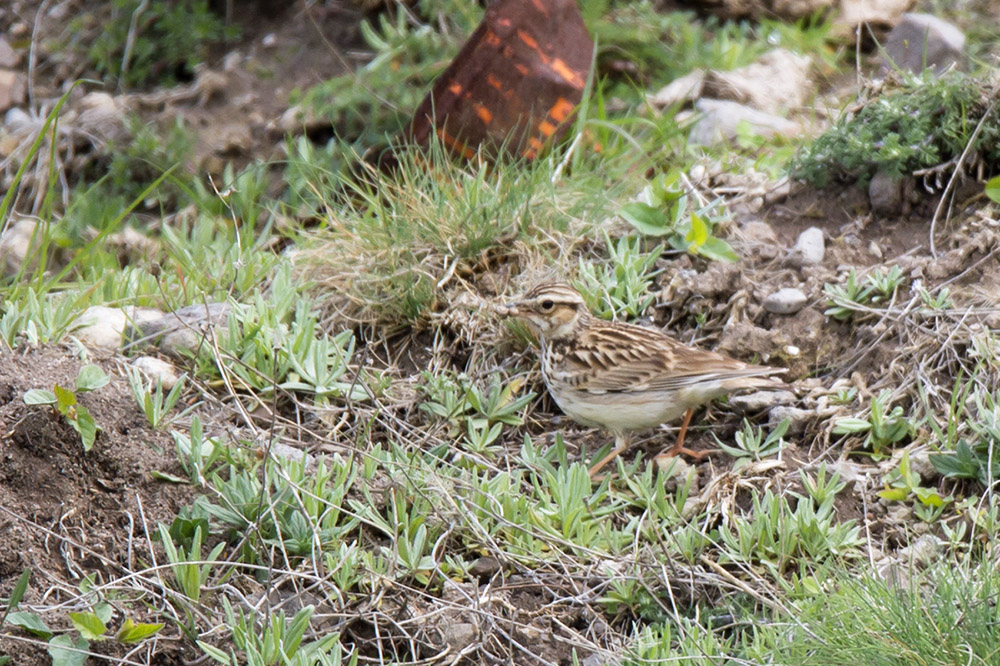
(621, 357)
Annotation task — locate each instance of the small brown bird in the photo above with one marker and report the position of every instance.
(621, 377)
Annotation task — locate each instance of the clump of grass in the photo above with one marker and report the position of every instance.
(925, 121)
(144, 44)
(397, 246)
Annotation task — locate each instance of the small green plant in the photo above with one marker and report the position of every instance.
(619, 288)
(883, 427)
(276, 642)
(753, 446)
(822, 490)
(197, 454)
(903, 483)
(144, 43)
(64, 401)
(925, 120)
(669, 213)
(150, 398)
(848, 299)
(91, 625)
(191, 569)
(976, 456)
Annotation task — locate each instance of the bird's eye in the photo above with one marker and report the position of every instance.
(547, 305)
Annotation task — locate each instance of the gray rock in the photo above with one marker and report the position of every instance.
(720, 121)
(923, 551)
(760, 400)
(777, 81)
(684, 89)
(281, 450)
(459, 635)
(13, 89)
(182, 329)
(920, 41)
(103, 328)
(786, 301)
(885, 192)
(8, 56)
(158, 370)
(810, 248)
(15, 244)
(796, 416)
(17, 120)
(484, 567)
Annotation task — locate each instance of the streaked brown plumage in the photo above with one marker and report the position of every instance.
(623, 377)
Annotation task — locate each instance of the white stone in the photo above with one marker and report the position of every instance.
(796, 416)
(103, 328)
(15, 244)
(810, 248)
(158, 370)
(777, 81)
(684, 89)
(786, 301)
(720, 120)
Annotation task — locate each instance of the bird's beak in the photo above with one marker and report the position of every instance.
(512, 309)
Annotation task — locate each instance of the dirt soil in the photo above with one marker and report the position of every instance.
(65, 514)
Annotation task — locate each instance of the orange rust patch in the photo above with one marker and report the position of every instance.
(527, 39)
(494, 82)
(561, 109)
(546, 128)
(483, 113)
(455, 88)
(568, 75)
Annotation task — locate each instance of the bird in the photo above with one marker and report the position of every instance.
(622, 377)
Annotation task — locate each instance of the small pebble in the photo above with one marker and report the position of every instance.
(810, 247)
(786, 301)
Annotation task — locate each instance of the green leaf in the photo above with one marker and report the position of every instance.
(31, 623)
(169, 478)
(993, 188)
(91, 378)
(85, 425)
(894, 494)
(64, 398)
(132, 632)
(646, 219)
(39, 397)
(65, 657)
(103, 611)
(851, 425)
(717, 249)
(698, 233)
(89, 625)
(20, 587)
(215, 653)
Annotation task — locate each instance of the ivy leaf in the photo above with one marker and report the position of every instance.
(91, 378)
(89, 625)
(647, 219)
(993, 189)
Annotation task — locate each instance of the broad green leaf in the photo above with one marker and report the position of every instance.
(647, 219)
(39, 397)
(103, 611)
(718, 250)
(64, 398)
(91, 378)
(132, 632)
(61, 656)
(85, 425)
(993, 188)
(31, 623)
(89, 625)
(698, 233)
